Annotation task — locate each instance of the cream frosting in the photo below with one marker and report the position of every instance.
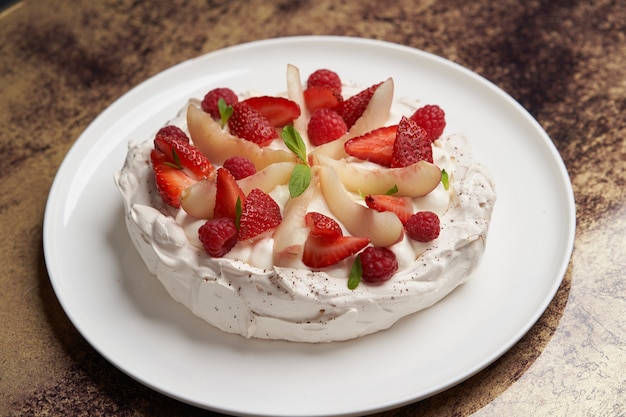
(245, 293)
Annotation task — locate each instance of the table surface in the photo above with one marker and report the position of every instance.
(62, 62)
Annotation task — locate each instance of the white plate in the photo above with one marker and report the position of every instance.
(126, 315)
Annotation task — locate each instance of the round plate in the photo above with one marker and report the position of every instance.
(127, 316)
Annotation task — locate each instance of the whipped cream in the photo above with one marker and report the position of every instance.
(245, 293)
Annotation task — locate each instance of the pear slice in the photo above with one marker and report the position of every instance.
(268, 178)
(198, 200)
(415, 180)
(382, 228)
(295, 92)
(375, 115)
(291, 234)
(219, 145)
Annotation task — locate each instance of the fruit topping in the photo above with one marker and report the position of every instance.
(324, 78)
(170, 180)
(375, 146)
(320, 252)
(423, 226)
(218, 236)
(248, 123)
(325, 126)
(321, 98)
(173, 131)
(278, 111)
(198, 200)
(240, 167)
(432, 119)
(210, 101)
(378, 264)
(412, 144)
(182, 155)
(260, 213)
(322, 226)
(226, 195)
(352, 108)
(401, 206)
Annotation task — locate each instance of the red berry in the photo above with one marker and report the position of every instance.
(173, 131)
(320, 252)
(321, 97)
(279, 111)
(375, 146)
(411, 145)
(378, 264)
(322, 226)
(240, 167)
(170, 181)
(401, 206)
(432, 119)
(423, 226)
(184, 156)
(249, 124)
(209, 103)
(324, 78)
(352, 108)
(325, 126)
(260, 213)
(218, 236)
(227, 192)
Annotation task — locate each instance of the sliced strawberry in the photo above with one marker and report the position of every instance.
(320, 252)
(375, 146)
(249, 124)
(260, 213)
(279, 111)
(322, 226)
(170, 181)
(412, 144)
(184, 156)
(352, 108)
(401, 206)
(226, 195)
(321, 98)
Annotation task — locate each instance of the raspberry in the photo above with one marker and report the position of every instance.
(240, 167)
(173, 132)
(432, 119)
(379, 264)
(423, 226)
(325, 125)
(218, 236)
(324, 78)
(209, 103)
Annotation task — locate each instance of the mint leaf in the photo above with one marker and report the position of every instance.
(299, 180)
(444, 179)
(392, 190)
(238, 211)
(225, 111)
(294, 142)
(356, 272)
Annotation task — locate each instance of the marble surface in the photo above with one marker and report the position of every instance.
(62, 62)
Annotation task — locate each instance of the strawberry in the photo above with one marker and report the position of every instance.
(401, 206)
(170, 181)
(322, 226)
(279, 111)
(325, 125)
(209, 102)
(226, 195)
(412, 144)
(324, 78)
(249, 124)
(432, 119)
(375, 146)
(352, 108)
(321, 98)
(260, 213)
(184, 156)
(320, 252)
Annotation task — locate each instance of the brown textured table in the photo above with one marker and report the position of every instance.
(62, 62)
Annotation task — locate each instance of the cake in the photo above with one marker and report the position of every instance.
(342, 227)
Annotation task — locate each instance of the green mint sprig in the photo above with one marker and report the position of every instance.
(445, 179)
(301, 175)
(225, 111)
(356, 272)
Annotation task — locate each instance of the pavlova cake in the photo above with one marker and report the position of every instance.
(319, 215)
